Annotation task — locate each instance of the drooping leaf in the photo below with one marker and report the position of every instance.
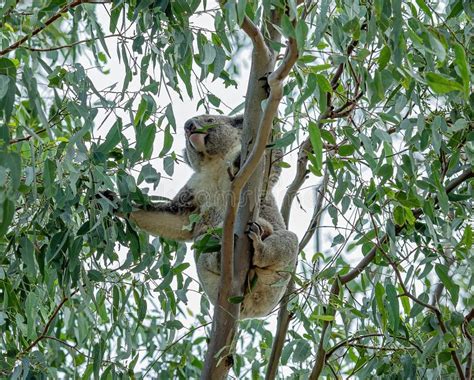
(442, 84)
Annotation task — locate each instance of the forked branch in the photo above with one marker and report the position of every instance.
(219, 359)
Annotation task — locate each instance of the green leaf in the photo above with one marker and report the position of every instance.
(149, 175)
(167, 142)
(399, 215)
(417, 308)
(456, 9)
(346, 150)
(323, 83)
(301, 351)
(12, 161)
(287, 27)
(443, 273)
(209, 54)
(115, 13)
(214, 100)
(145, 140)
(168, 165)
(327, 318)
(49, 176)
(384, 57)
(317, 68)
(27, 254)
(7, 67)
(4, 83)
(241, 5)
(286, 140)
(170, 116)
(467, 238)
(7, 101)
(112, 138)
(424, 7)
(442, 84)
(379, 296)
(317, 144)
(394, 309)
(181, 268)
(6, 216)
(463, 66)
(95, 275)
(301, 33)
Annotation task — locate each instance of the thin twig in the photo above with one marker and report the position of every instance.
(68, 46)
(470, 338)
(48, 22)
(48, 324)
(26, 138)
(355, 338)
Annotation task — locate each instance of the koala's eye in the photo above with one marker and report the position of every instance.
(210, 120)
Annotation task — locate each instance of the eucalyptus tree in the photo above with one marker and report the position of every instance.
(376, 98)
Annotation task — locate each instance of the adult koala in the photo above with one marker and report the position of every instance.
(213, 152)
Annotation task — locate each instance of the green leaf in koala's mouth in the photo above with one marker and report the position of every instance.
(203, 128)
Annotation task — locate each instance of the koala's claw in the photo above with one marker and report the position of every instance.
(255, 232)
(254, 228)
(110, 196)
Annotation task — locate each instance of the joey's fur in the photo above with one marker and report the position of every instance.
(213, 152)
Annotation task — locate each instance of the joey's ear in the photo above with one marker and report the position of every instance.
(238, 121)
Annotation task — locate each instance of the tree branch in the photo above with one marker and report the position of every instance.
(73, 43)
(470, 338)
(283, 322)
(26, 138)
(298, 180)
(234, 267)
(334, 292)
(356, 338)
(48, 22)
(44, 333)
(284, 315)
(317, 212)
(255, 35)
(293, 188)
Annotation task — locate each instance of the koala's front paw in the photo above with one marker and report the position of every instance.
(110, 197)
(255, 233)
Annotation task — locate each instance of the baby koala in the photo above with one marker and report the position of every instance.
(213, 152)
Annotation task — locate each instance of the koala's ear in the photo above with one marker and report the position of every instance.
(238, 121)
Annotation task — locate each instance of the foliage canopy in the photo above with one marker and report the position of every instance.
(382, 93)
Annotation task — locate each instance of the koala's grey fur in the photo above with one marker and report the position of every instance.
(213, 151)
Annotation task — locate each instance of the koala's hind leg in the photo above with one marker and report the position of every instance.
(278, 250)
(208, 265)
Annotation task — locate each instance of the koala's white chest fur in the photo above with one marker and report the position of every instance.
(211, 186)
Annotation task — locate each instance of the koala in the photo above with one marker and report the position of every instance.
(213, 145)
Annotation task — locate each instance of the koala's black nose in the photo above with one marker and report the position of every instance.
(190, 127)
